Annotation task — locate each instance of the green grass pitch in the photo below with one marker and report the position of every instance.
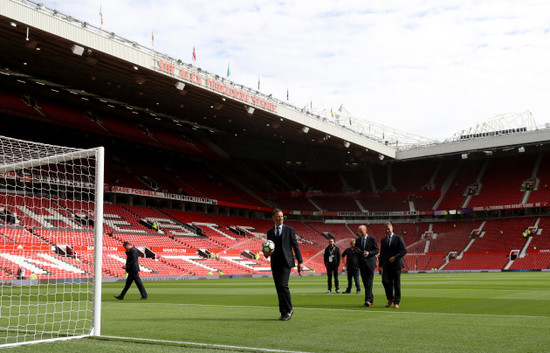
(441, 312)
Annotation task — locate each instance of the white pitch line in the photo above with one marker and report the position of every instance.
(388, 311)
(211, 345)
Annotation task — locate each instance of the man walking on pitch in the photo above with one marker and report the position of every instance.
(282, 261)
(392, 250)
(351, 260)
(332, 263)
(367, 248)
(132, 268)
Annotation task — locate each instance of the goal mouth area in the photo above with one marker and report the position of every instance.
(51, 214)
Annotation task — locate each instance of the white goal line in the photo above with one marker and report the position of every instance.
(209, 345)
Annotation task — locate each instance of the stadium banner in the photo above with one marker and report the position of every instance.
(311, 213)
(452, 212)
(173, 250)
(14, 248)
(162, 195)
(226, 252)
(431, 194)
(510, 207)
(189, 75)
(376, 213)
(83, 248)
(356, 213)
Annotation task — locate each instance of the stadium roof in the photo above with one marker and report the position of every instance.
(55, 54)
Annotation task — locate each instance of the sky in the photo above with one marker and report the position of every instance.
(431, 68)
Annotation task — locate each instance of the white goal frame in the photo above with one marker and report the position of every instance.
(33, 155)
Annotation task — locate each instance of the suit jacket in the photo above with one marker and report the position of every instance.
(288, 244)
(132, 264)
(335, 260)
(397, 248)
(372, 247)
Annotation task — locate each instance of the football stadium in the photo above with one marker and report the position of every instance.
(105, 141)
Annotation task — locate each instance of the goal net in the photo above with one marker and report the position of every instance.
(51, 206)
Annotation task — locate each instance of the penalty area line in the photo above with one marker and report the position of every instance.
(221, 347)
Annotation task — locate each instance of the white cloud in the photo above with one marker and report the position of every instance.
(427, 67)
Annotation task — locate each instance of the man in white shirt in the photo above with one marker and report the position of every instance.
(282, 261)
(392, 250)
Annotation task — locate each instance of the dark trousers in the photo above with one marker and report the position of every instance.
(353, 274)
(367, 275)
(391, 280)
(330, 271)
(134, 277)
(281, 275)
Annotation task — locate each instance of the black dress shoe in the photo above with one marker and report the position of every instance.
(143, 298)
(288, 315)
(118, 297)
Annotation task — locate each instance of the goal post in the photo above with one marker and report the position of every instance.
(51, 238)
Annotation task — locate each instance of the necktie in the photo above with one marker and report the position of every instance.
(389, 240)
(277, 231)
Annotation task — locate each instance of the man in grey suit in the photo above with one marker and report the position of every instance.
(282, 261)
(367, 248)
(392, 250)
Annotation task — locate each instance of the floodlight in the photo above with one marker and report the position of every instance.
(249, 110)
(77, 49)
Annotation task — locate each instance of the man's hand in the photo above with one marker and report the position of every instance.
(300, 267)
(124, 267)
(365, 254)
(268, 254)
(392, 259)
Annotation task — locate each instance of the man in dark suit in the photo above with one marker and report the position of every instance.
(132, 268)
(392, 250)
(282, 261)
(367, 247)
(332, 263)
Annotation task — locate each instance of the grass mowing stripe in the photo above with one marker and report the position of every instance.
(389, 311)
